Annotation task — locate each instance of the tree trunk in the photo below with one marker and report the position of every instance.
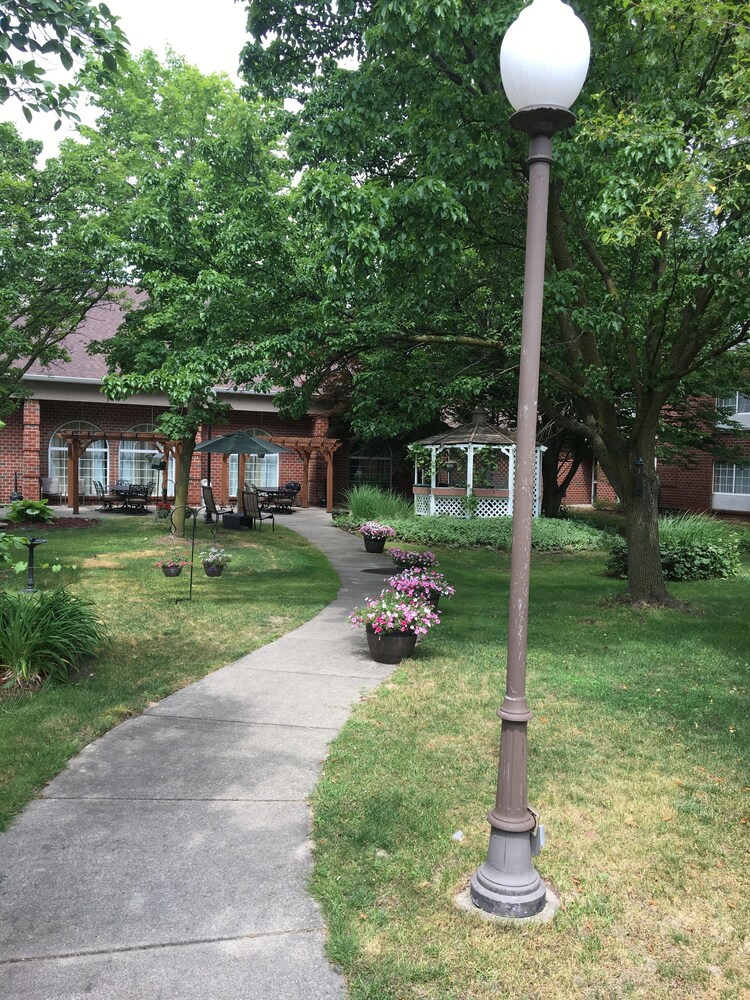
(640, 501)
(182, 482)
(553, 490)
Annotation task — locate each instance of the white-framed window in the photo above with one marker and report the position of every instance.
(730, 478)
(135, 460)
(93, 463)
(372, 465)
(262, 472)
(736, 403)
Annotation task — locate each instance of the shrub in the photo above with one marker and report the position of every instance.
(46, 635)
(547, 535)
(369, 503)
(692, 547)
(30, 510)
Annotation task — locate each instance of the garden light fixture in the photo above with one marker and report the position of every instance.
(543, 63)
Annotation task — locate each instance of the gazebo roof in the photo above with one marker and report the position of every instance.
(477, 431)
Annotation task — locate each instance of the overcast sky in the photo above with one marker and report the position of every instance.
(209, 33)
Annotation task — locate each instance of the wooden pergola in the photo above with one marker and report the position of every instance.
(78, 441)
(304, 447)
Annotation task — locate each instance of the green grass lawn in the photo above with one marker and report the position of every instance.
(275, 582)
(638, 764)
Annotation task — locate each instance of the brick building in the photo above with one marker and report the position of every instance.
(67, 396)
(702, 485)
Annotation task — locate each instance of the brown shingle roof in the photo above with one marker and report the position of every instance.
(101, 323)
(477, 431)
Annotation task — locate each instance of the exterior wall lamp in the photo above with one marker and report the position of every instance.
(544, 59)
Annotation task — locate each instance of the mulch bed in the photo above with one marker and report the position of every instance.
(59, 522)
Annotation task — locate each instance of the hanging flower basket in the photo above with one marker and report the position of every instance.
(214, 560)
(172, 570)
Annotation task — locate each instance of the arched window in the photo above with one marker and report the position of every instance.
(263, 472)
(135, 460)
(93, 463)
(371, 465)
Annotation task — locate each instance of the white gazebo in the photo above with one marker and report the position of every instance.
(469, 471)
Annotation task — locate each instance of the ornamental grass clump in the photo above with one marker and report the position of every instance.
(417, 582)
(403, 559)
(374, 529)
(394, 613)
(370, 503)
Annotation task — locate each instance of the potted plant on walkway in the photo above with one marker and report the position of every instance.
(172, 565)
(403, 559)
(418, 582)
(394, 623)
(214, 560)
(375, 534)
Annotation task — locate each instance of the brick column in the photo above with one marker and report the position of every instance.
(31, 458)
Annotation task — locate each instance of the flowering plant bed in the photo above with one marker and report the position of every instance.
(404, 560)
(373, 529)
(418, 582)
(392, 612)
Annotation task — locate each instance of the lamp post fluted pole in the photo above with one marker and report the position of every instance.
(507, 884)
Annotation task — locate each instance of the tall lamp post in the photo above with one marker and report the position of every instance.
(544, 59)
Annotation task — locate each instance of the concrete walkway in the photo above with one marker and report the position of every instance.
(170, 860)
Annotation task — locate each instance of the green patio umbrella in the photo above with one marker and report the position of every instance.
(240, 443)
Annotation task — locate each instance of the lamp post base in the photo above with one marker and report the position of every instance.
(507, 884)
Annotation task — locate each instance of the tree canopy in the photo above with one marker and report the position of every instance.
(203, 232)
(33, 32)
(412, 168)
(58, 258)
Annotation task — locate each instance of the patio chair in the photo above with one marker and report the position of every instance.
(139, 496)
(287, 497)
(105, 499)
(210, 504)
(51, 489)
(253, 510)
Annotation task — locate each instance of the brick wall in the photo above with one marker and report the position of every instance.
(24, 441)
(11, 455)
(691, 489)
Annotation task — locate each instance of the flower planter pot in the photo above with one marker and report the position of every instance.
(373, 544)
(211, 570)
(490, 493)
(449, 491)
(390, 647)
(421, 491)
(171, 570)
